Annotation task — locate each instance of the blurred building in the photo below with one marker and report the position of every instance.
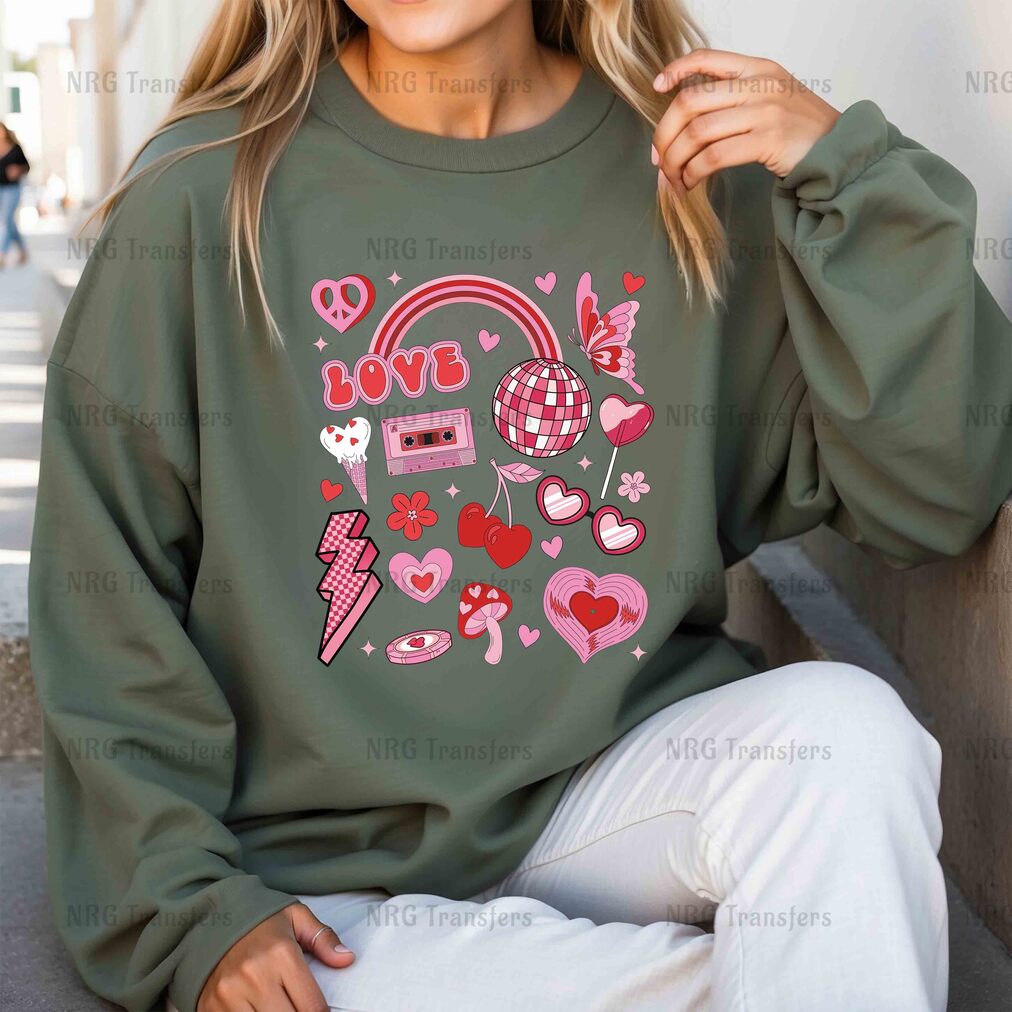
(129, 57)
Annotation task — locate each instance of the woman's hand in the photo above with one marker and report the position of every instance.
(754, 112)
(264, 971)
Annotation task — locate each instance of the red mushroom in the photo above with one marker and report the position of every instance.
(482, 608)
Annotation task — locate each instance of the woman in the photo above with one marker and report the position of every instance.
(13, 167)
(438, 714)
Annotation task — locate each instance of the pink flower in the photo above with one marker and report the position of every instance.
(633, 485)
(411, 515)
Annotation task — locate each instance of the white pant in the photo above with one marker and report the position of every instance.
(797, 809)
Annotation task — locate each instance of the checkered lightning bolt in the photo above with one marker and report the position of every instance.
(349, 585)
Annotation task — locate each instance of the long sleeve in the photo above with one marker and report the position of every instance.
(146, 880)
(886, 404)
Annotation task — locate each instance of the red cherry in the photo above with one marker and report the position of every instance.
(472, 524)
(506, 546)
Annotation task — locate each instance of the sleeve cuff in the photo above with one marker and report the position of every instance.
(859, 138)
(245, 902)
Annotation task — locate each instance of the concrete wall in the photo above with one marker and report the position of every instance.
(939, 70)
(159, 37)
(950, 625)
(137, 52)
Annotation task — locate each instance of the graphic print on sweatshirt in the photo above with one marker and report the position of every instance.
(516, 449)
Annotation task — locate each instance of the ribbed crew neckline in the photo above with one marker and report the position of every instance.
(336, 100)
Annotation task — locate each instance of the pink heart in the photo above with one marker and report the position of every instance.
(558, 503)
(528, 636)
(423, 580)
(592, 612)
(546, 282)
(341, 313)
(624, 422)
(553, 547)
(486, 340)
(616, 534)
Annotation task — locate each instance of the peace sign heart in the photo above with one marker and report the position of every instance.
(332, 302)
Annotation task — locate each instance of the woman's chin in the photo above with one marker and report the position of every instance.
(427, 27)
(422, 36)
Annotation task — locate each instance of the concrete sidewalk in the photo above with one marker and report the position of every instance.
(31, 302)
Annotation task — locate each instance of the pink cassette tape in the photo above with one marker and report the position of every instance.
(428, 442)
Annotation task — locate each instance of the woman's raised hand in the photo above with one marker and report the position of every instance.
(743, 109)
(264, 971)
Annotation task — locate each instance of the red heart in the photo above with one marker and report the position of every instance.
(350, 424)
(353, 440)
(633, 283)
(421, 582)
(592, 612)
(506, 546)
(330, 489)
(416, 641)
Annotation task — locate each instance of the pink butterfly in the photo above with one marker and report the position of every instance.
(605, 339)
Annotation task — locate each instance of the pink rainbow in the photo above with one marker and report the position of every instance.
(454, 288)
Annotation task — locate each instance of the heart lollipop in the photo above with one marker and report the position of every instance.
(623, 423)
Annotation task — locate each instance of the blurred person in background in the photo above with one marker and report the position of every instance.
(13, 168)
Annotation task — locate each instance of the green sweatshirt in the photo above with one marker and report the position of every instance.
(346, 613)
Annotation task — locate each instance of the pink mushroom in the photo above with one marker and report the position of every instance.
(482, 608)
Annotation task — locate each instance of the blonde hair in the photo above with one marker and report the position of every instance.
(263, 56)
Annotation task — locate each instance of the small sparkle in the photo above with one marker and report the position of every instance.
(584, 462)
(394, 278)
(637, 653)
(321, 344)
(367, 649)
(452, 491)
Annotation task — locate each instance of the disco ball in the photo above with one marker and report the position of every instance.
(541, 407)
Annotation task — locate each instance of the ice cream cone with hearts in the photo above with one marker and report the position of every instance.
(348, 443)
